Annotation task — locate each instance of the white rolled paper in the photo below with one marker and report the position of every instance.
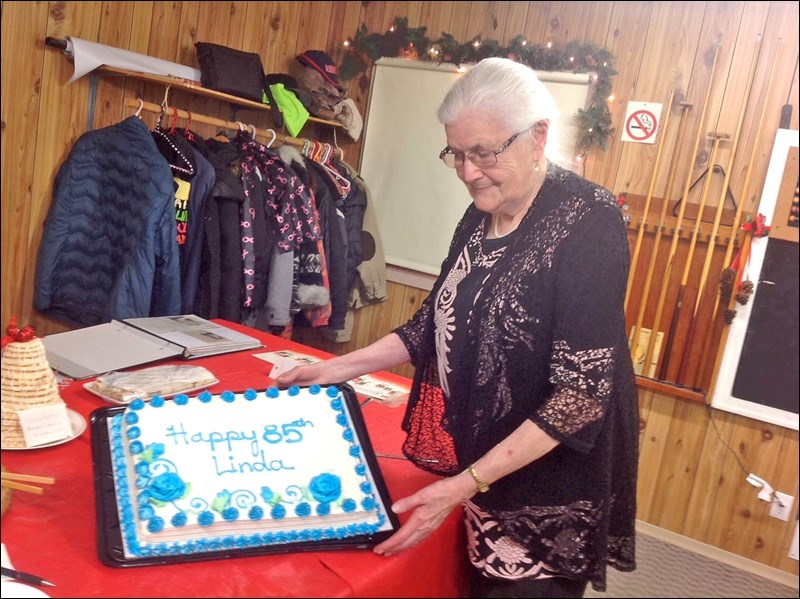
(87, 56)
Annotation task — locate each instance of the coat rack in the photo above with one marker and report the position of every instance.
(280, 138)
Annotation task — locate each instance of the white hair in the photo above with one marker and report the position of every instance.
(505, 92)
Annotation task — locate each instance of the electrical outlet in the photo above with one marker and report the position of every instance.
(781, 506)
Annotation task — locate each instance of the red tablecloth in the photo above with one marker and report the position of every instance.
(54, 535)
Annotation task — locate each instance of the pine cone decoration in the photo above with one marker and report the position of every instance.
(742, 298)
(728, 315)
(726, 284)
(728, 275)
(745, 291)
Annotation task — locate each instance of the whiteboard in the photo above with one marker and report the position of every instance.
(418, 201)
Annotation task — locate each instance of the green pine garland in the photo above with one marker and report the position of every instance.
(594, 122)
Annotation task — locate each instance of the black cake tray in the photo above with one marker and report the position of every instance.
(109, 537)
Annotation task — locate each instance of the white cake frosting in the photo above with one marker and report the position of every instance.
(239, 470)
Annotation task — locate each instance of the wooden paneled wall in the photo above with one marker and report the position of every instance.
(693, 459)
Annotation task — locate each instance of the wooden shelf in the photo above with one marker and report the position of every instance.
(195, 88)
(671, 389)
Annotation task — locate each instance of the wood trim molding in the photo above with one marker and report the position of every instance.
(689, 393)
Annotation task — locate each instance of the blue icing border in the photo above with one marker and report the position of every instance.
(126, 504)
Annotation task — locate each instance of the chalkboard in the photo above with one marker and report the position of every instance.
(758, 373)
(769, 372)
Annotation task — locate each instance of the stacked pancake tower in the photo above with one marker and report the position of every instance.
(27, 381)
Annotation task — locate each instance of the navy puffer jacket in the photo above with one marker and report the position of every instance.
(109, 248)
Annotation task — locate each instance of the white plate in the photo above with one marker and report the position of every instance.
(78, 424)
(89, 387)
(12, 588)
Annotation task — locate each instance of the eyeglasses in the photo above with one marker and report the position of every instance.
(480, 158)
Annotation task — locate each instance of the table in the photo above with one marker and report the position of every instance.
(54, 535)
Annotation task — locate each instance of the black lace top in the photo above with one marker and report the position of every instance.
(547, 343)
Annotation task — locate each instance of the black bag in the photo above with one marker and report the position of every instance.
(230, 71)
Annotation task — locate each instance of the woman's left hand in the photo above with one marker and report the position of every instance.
(431, 506)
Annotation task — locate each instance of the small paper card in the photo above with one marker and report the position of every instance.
(44, 424)
(281, 365)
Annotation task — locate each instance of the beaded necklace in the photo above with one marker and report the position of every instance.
(188, 168)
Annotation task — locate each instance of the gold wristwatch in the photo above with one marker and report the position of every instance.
(482, 486)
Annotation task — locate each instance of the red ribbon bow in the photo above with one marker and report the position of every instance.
(756, 226)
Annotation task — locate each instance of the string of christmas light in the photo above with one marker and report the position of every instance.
(594, 122)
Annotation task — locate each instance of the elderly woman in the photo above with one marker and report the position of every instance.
(523, 396)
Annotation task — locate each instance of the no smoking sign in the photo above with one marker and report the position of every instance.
(641, 122)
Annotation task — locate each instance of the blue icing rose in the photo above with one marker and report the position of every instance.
(365, 487)
(136, 447)
(179, 520)
(230, 514)
(136, 404)
(205, 518)
(294, 390)
(142, 469)
(131, 418)
(255, 513)
(332, 391)
(273, 392)
(181, 399)
(368, 503)
(348, 434)
(205, 396)
(152, 453)
(278, 512)
(134, 432)
(167, 487)
(325, 487)
(157, 401)
(250, 394)
(228, 396)
(361, 469)
(323, 509)
(146, 512)
(314, 389)
(303, 509)
(349, 505)
(336, 404)
(143, 497)
(155, 524)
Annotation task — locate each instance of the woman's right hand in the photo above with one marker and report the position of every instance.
(384, 353)
(305, 374)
